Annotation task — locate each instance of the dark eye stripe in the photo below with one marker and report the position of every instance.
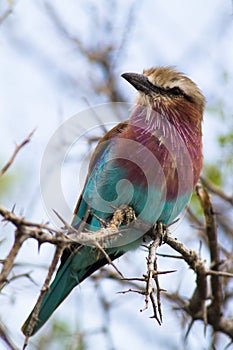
(175, 91)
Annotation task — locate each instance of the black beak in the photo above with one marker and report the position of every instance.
(140, 82)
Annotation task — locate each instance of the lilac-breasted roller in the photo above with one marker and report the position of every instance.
(150, 163)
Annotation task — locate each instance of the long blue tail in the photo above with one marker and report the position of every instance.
(88, 260)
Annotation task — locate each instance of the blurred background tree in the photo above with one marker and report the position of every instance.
(58, 59)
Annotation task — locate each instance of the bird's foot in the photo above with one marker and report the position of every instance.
(158, 230)
(122, 216)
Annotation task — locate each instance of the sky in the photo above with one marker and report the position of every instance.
(44, 82)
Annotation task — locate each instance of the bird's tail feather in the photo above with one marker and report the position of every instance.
(66, 279)
(58, 291)
(74, 270)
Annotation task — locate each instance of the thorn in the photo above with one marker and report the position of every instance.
(25, 344)
(59, 217)
(39, 245)
(13, 208)
(173, 222)
(188, 330)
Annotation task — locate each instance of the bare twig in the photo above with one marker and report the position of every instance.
(216, 190)
(9, 261)
(98, 246)
(20, 275)
(43, 233)
(157, 235)
(5, 15)
(16, 151)
(197, 302)
(219, 273)
(172, 256)
(152, 275)
(194, 219)
(5, 337)
(44, 290)
(211, 232)
(130, 290)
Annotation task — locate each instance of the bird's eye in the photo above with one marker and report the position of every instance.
(175, 91)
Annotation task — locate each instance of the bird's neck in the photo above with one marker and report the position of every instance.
(180, 118)
(173, 134)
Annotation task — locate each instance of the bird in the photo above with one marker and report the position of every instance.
(150, 163)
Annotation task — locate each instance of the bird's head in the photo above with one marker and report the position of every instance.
(167, 120)
(167, 86)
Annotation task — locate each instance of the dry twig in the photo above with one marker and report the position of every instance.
(35, 313)
(16, 151)
(211, 232)
(5, 337)
(157, 234)
(216, 190)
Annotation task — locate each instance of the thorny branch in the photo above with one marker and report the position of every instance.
(207, 278)
(216, 190)
(43, 233)
(16, 151)
(100, 55)
(57, 254)
(8, 12)
(211, 232)
(4, 336)
(196, 306)
(158, 235)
